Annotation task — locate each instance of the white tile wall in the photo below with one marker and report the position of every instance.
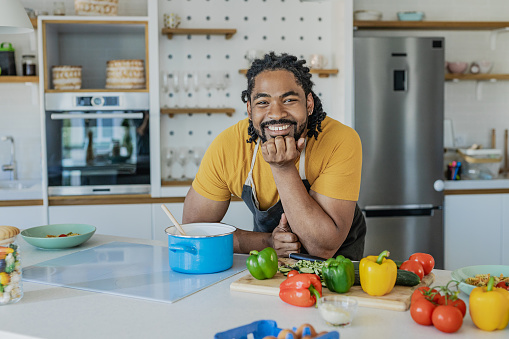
(473, 118)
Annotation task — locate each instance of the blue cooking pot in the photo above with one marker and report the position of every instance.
(206, 248)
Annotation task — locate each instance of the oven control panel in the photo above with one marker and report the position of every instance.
(97, 101)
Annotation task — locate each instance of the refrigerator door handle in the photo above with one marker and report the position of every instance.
(400, 210)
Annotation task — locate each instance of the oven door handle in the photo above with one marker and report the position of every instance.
(65, 116)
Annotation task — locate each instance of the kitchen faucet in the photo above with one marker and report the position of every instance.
(12, 166)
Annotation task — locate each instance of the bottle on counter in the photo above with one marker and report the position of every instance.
(28, 64)
(11, 289)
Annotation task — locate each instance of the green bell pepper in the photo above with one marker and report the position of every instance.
(263, 264)
(339, 274)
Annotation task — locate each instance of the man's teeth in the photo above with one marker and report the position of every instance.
(277, 128)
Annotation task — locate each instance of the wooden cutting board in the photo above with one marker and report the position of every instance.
(397, 300)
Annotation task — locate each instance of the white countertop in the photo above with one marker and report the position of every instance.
(56, 312)
(501, 183)
(32, 192)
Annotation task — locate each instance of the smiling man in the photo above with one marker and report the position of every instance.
(297, 170)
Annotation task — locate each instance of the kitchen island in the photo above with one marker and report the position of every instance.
(57, 312)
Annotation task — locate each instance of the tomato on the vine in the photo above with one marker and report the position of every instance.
(422, 311)
(447, 318)
(458, 303)
(503, 284)
(427, 261)
(413, 266)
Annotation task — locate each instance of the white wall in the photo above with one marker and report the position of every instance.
(473, 118)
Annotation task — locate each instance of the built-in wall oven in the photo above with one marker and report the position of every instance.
(97, 143)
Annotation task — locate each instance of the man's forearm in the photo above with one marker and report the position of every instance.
(316, 230)
(246, 241)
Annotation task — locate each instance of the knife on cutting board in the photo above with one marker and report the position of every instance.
(302, 256)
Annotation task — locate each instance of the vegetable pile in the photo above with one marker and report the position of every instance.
(10, 274)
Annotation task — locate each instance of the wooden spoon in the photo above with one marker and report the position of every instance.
(175, 222)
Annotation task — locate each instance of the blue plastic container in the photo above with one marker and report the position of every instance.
(206, 248)
(262, 328)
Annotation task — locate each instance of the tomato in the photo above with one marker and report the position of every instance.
(419, 294)
(421, 311)
(447, 318)
(413, 266)
(503, 284)
(62, 235)
(426, 260)
(458, 303)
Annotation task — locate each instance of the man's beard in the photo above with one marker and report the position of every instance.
(297, 130)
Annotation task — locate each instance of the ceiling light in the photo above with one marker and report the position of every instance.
(14, 18)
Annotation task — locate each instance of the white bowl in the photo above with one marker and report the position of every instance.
(337, 310)
(367, 15)
(485, 66)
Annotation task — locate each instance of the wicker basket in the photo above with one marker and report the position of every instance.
(125, 74)
(96, 7)
(66, 77)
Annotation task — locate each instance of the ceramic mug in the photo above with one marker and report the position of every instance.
(317, 61)
(171, 20)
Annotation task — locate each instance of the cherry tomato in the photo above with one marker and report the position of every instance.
(413, 266)
(426, 260)
(503, 284)
(422, 311)
(447, 318)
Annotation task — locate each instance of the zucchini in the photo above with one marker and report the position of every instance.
(404, 278)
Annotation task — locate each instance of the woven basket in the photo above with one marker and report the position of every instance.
(125, 74)
(66, 77)
(96, 7)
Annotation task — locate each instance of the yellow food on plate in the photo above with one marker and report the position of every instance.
(482, 279)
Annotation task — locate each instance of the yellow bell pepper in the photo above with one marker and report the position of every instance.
(489, 307)
(378, 274)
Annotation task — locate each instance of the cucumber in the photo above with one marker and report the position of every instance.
(404, 278)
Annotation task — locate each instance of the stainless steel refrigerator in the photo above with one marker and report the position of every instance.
(399, 104)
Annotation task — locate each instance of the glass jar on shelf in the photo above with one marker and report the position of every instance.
(11, 289)
(28, 64)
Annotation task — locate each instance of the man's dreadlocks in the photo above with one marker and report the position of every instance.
(273, 62)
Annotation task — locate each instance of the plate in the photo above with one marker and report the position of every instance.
(470, 271)
(36, 236)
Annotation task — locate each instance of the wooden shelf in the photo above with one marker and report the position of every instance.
(167, 183)
(172, 111)
(477, 77)
(95, 90)
(34, 22)
(18, 78)
(228, 33)
(431, 25)
(322, 73)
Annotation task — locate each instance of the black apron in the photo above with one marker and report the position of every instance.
(267, 221)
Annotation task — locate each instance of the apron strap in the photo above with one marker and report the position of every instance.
(249, 181)
(302, 162)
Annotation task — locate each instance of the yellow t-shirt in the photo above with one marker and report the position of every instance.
(333, 165)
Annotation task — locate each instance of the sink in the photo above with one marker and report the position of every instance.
(15, 185)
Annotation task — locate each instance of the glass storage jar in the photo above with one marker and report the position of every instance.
(11, 289)
(28, 62)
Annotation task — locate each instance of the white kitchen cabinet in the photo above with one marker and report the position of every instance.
(127, 220)
(473, 231)
(22, 216)
(505, 230)
(238, 215)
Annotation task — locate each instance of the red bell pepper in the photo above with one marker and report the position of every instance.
(302, 290)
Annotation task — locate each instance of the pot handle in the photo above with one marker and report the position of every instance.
(182, 248)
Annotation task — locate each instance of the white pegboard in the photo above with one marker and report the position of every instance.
(291, 26)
